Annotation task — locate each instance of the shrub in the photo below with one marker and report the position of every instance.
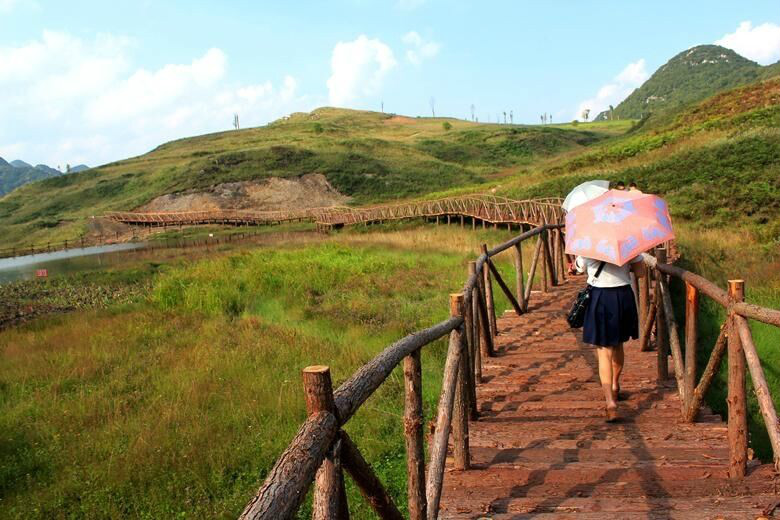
(446, 125)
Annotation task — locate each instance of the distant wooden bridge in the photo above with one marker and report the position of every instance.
(519, 431)
(485, 209)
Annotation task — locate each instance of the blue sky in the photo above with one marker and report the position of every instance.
(92, 82)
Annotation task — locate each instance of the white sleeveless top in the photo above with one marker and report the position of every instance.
(611, 276)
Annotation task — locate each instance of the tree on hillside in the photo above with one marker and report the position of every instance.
(586, 114)
(611, 112)
(67, 168)
(433, 107)
(235, 121)
(504, 116)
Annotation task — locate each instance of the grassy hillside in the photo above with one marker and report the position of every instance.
(367, 155)
(690, 76)
(717, 163)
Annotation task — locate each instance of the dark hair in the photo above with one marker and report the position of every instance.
(620, 185)
(632, 185)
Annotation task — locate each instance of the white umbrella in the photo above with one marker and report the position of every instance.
(585, 192)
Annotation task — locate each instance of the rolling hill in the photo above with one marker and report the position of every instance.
(367, 156)
(717, 162)
(690, 76)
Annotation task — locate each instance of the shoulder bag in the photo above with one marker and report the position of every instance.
(576, 315)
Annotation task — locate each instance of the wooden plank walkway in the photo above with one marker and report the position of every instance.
(541, 448)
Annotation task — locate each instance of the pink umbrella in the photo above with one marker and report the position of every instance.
(617, 226)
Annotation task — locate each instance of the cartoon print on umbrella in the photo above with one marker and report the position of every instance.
(613, 213)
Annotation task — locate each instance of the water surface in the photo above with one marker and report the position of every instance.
(62, 262)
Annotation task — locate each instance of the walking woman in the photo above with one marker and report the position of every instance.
(610, 320)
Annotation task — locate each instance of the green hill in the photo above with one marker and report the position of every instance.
(718, 162)
(690, 76)
(369, 156)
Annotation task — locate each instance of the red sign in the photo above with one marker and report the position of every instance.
(42, 273)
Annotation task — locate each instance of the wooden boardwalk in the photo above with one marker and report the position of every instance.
(541, 448)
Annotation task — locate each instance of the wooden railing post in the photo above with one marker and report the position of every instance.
(691, 339)
(329, 482)
(519, 276)
(444, 420)
(661, 334)
(460, 414)
(488, 284)
(532, 272)
(552, 277)
(476, 330)
(471, 341)
(413, 432)
(561, 254)
(644, 310)
(737, 397)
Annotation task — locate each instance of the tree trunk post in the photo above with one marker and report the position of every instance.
(330, 479)
(561, 254)
(484, 320)
(519, 276)
(490, 304)
(471, 347)
(532, 273)
(691, 338)
(661, 334)
(550, 262)
(476, 331)
(413, 433)
(460, 414)
(644, 310)
(545, 279)
(737, 397)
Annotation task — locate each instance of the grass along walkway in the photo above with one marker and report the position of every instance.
(178, 405)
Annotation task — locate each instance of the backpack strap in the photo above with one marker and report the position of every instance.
(598, 271)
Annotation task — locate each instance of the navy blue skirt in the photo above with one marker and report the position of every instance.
(611, 317)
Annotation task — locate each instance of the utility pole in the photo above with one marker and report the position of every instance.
(433, 107)
(472, 111)
(511, 118)
(235, 121)
(382, 104)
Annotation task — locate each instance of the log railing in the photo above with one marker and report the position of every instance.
(734, 341)
(321, 451)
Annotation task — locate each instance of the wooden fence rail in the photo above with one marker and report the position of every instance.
(320, 450)
(734, 340)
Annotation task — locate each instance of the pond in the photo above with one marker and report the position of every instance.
(62, 262)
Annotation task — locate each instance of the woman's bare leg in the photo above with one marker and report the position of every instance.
(605, 375)
(618, 357)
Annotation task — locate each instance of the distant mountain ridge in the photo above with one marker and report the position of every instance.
(688, 77)
(17, 173)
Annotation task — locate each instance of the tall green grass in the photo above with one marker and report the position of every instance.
(179, 406)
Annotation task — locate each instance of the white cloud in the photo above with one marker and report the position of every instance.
(72, 100)
(358, 69)
(760, 43)
(420, 49)
(612, 93)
